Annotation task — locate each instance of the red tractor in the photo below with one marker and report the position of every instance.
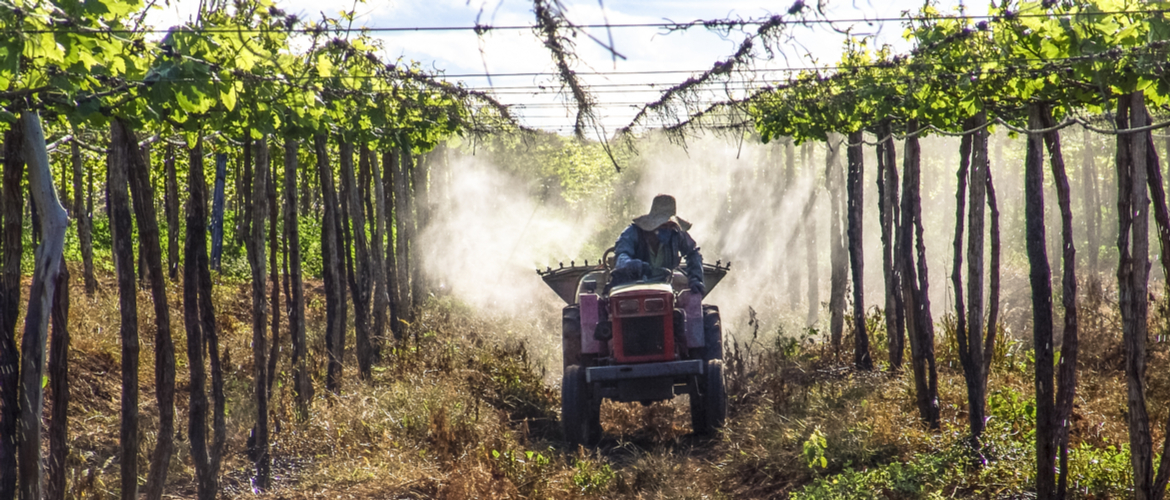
(641, 341)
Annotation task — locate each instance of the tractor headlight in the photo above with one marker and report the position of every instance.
(628, 306)
(655, 305)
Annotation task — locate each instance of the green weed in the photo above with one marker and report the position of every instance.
(590, 477)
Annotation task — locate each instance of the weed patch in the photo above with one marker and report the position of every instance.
(465, 406)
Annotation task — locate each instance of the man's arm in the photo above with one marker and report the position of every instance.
(694, 268)
(624, 251)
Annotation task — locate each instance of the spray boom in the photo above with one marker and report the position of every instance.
(566, 281)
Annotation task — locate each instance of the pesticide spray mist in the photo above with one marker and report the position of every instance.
(494, 226)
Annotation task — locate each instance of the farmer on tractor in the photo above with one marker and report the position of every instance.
(654, 245)
(635, 328)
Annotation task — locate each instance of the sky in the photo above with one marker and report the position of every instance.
(619, 86)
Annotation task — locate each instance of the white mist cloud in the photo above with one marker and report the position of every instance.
(488, 236)
(492, 230)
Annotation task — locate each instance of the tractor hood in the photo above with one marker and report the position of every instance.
(565, 280)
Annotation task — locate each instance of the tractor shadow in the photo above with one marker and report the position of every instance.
(630, 431)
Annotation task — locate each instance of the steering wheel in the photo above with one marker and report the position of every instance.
(605, 259)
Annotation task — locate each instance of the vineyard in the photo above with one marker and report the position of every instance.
(319, 261)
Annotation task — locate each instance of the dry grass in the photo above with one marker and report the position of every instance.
(457, 412)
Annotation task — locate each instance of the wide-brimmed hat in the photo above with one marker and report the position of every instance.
(662, 209)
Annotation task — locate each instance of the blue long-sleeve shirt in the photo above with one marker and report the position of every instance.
(633, 254)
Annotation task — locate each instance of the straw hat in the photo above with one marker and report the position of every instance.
(662, 209)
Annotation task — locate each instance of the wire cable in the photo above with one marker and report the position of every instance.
(672, 26)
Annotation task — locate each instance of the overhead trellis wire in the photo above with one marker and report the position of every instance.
(1038, 66)
(767, 34)
(504, 109)
(668, 25)
(550, 17)
(884, 64)
(389, 72)
(552, 23)
(992, 121)
(667, 113)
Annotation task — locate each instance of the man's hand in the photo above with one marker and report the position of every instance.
(630, 266)
(654, 273)
(699, 288)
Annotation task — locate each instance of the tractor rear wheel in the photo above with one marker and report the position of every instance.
(571, 336)
(708, 400)
(712, 333)
(716, 397)
(580, 414)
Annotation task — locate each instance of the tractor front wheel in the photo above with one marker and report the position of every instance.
(580, 414)
(698, 409)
